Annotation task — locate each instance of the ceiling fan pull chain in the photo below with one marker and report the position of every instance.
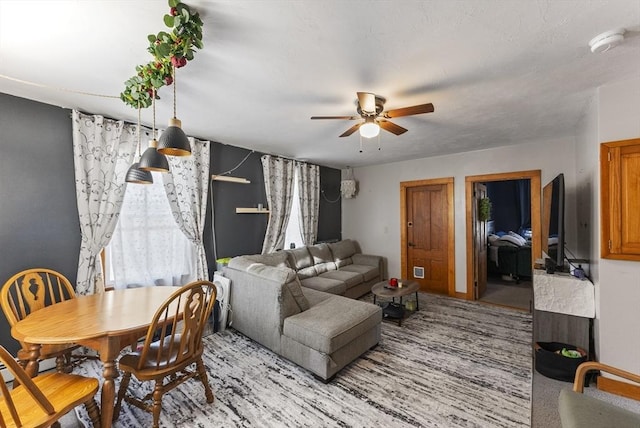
(360, 143)
(378, 142)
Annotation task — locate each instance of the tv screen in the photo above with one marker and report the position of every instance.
(553, 222)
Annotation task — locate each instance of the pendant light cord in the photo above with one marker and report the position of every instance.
(138, 131)
(153, 104)
(174, 91)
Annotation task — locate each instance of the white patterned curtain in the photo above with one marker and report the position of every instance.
(103, 151)
(147, 246)
(309, 195)
(187, 187)
(278, 178)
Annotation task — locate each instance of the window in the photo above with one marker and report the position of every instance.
(147, 247)
(293, 235)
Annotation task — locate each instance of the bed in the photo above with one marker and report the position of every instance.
(509, 255)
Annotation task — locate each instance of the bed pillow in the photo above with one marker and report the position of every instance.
(522, 240)
(512, 239)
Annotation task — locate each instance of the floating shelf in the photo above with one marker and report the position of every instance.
(230, 179)
(251, 211)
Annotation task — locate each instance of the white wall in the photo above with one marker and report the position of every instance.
(619, 281)
(373, 216)
(588, 190)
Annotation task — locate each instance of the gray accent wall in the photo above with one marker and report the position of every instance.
(39, 224)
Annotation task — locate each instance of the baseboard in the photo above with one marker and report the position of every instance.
(462, 296)
(618, 387)
(43, 367)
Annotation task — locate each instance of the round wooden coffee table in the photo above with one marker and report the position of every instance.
(392, 310)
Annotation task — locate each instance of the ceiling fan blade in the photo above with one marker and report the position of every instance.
(408, 111)
(367, 102)
(391, 127)
(351, 130)
(336, 117)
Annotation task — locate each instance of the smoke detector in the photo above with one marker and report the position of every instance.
(606, 40)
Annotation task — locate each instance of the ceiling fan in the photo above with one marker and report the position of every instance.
(371, 112)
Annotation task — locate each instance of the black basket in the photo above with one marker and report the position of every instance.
(555, 365)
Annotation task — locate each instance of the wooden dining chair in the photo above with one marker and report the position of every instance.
(29, 291)
(172, 346)
(41, 401)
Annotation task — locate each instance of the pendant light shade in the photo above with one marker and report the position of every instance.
(174, 141)
(138, 176)
(152, 160)
(134, 173)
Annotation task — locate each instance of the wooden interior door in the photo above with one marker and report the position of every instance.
(479, 243)
(427, 237)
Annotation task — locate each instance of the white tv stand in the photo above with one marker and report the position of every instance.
(564, 306)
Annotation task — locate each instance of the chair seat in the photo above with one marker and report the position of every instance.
(156, 367)
(64, 391)
(579, 410)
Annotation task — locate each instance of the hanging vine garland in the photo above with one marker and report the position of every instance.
(169, 49)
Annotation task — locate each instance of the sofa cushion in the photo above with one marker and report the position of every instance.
(332, 323)
(296, 291)
(299, 258)
(368, 272)
(351, 279)
(327, 285)
(322, 258)
(280, 274)
(279, 258)
(342, 252)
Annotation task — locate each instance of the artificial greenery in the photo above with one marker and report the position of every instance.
(484, 209)
(169, 49)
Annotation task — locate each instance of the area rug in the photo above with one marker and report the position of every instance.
(451, 364)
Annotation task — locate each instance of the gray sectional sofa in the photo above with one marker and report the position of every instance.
(297, 303)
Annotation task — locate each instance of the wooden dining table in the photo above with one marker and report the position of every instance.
(106, 322)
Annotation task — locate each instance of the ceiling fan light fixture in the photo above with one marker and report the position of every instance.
(370, 128)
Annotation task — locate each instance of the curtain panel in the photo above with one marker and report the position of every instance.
(187, 187)
(309, 196)
(103, 151)
(278, 183)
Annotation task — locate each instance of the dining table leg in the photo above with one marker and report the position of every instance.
(109, 373)
(32, 356)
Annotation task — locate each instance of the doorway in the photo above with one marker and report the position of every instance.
(476, 247)
(427, 234)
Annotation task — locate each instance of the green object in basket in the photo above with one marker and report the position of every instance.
(571, 353)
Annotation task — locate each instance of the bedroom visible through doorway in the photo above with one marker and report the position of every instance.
(502, 248)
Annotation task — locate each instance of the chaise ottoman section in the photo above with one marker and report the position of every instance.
(331, 334)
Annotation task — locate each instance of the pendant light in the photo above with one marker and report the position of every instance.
(151, 159)
(174, 141)
(135, 174)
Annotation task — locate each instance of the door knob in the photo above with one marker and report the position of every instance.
(410, 244)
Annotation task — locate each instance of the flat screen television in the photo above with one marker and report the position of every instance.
(553, 223)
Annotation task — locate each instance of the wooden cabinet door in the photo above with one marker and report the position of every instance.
(620, 199)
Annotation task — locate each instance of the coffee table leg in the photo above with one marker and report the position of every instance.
(417, 302)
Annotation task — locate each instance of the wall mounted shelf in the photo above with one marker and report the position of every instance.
(251, 211)
(230, 179)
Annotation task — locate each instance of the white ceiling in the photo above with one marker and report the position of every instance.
(497, 72)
